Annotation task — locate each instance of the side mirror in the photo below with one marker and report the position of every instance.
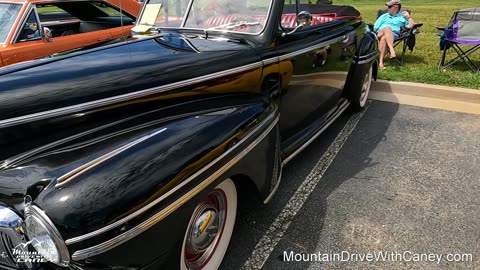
(47, 33)
(304, 18)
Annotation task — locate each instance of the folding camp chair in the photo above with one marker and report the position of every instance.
(406, 38)
(463, 29)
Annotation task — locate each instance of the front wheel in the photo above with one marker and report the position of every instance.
(210, 228)
(359, 96)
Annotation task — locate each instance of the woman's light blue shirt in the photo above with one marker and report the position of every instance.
(395, 22)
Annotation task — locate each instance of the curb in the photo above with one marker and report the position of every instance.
(426, 95)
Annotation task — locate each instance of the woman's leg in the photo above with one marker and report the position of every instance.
(382, 47)
(389, 38)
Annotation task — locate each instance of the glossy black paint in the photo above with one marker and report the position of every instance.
(120, 93)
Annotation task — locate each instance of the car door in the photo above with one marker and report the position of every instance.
(68, 31)
(28, 42)
(313, 61)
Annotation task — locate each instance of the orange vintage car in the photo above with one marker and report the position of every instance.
(31, 29)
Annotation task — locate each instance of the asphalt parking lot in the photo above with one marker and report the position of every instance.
(397, 179)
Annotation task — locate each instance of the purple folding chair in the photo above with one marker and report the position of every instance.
(462, 30)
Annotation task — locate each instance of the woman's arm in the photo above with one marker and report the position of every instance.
(409, 18)
(378, 23)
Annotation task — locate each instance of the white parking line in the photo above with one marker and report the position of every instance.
(278, 228)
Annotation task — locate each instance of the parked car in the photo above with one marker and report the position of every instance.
(128, 156)
(33, 29)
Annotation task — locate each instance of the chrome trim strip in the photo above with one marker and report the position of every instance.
(314, 47)
(187, 11)
(68, 177)
(164, 196)
(366, 60)
(111, 100)
(368, 55)
(275, 188)
(21, 157)
(270, 61)
(291, 156)
(118, 240)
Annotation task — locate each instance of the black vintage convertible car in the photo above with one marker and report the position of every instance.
(128, 156)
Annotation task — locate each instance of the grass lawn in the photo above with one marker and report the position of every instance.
(421, 65)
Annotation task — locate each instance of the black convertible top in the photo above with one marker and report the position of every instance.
(323, 8)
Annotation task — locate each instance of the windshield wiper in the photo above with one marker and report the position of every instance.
(234, 25)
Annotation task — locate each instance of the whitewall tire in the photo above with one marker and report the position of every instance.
(359, 96)
(210, 229)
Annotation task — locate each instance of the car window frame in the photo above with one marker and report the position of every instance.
(31, 8)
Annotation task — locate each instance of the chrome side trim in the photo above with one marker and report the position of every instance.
(314, 47)
(365, 60)
(344, 106)
(120, 239)
(161, 198)
(68, 177)
(270, 61)
(274, 190)
(21, 157)
(111, 100)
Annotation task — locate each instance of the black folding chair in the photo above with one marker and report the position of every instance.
(406, 38)
(463, 29)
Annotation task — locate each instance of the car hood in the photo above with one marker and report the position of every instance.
(118, 69)
(78, 79)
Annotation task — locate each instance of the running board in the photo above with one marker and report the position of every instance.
(342, 108)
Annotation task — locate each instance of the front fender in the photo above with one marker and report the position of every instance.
(139, 170)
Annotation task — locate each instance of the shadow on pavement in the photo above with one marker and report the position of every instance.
(254, 218)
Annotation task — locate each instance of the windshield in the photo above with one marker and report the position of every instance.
(8, 15)
(245, 16)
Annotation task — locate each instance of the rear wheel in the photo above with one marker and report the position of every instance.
(210, 228)
(359, 95)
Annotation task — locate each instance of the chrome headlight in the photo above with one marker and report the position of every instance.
(44, 237)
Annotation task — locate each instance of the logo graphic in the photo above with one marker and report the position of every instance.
(22, 254)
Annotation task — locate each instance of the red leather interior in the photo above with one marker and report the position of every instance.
(289, 20)
(225, 19)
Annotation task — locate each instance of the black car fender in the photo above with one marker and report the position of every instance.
(153, 167)
(366, 55)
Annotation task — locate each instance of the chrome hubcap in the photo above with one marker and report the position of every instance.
(205, 229)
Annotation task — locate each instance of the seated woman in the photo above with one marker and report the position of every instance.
(388, 27)
(32, 31)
